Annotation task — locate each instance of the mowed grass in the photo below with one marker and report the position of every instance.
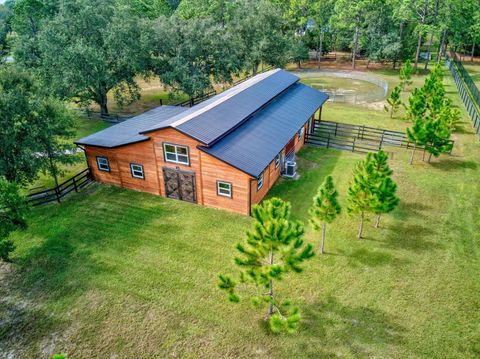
(116, 273)
(474, 71)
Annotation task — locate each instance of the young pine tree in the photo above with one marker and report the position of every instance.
(394, 101)
(385, 190)
(361, 192)
(325, 208)
(406, 74)
(273, 248)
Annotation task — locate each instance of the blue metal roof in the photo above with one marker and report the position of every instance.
(253, 146)
(216, 117)
(129, 131)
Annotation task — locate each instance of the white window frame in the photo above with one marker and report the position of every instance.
(135, 175)
(176, 154)
(301, 132)
(226, 193)
(277, 161)
(106, 163)
(260, 180)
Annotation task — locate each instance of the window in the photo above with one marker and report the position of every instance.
(277, 161)
(102, 163)
(300, 133)
(224, 189)
(176, 154)
(137, 171)
(260, 182)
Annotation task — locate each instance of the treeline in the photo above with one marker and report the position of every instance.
(82, 50)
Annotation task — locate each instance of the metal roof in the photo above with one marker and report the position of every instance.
(253, 146)
(216, 117)
(129, 131)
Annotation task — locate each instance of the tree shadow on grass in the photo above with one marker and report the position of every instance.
(453, 164)
(406, 235)
(66, 262)
(363, 257)
(358, 328)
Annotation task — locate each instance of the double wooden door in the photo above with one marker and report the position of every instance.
(179, 184)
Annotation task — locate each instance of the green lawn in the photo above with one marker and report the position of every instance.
(117, 273)
(474, 71)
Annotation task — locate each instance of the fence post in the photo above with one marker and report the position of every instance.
(57, 194)
(75, 184)
(381, 141)
(328, 141)
(161, 102)
(336, 127)
(353, 146)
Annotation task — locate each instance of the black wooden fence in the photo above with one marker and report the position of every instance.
(357, 138)
(469, 92)
(74, 183)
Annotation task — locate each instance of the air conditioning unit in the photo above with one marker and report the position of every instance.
(290, 169)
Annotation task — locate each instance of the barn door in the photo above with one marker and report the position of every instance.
(179, 184)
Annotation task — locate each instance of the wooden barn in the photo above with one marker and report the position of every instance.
(225, 152)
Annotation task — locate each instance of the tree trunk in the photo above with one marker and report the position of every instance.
(377, 221)
(442, 44)
(428, 51)
(473, 51)
(395, 59)
(103, 101)
(413, 152)
(360, 230)
(324, 230)
(53, 168)
(270, 289)
(254, 70)
(417, 55)
(430, 157)
(299, 64)
(320, 45)
(431, 36)
(355, 45)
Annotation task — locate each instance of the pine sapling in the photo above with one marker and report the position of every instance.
(394, 101)
(325, 208)
(361, 192)
(385, 189)
(273, 248)
(406, 74)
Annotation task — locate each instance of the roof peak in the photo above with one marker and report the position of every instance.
(226, 95)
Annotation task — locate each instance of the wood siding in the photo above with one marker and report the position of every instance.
(119, 161)
(214, 170)
(207, 169)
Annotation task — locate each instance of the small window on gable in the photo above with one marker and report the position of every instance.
(260, 182)
(176, 154)
(103, 165)
(224, 189)
(277, 161)
(137, 171)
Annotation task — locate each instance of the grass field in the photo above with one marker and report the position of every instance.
(116, 273)
(474, 71)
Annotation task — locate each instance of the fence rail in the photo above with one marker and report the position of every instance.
(74, 183)
(465, 90)
(357, 138)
